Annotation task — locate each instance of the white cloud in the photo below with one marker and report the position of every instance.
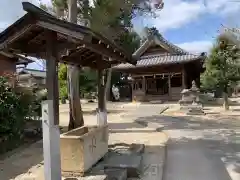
(197, 46)
(176, 13)
(222, 7)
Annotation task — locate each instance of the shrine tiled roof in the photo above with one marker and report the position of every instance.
(172, 55)
(155, 38)
(160, 59)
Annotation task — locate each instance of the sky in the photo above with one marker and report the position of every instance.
(191, 24)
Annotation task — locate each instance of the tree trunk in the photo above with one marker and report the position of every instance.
(75, 110)
(225, 101)
(75, 113)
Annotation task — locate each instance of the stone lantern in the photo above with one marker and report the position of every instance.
(190, 101)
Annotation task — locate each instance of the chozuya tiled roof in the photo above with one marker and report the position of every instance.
(175, 54)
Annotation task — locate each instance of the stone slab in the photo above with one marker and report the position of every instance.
(123, 148)
(152, 168)
(116, 174)
(94, 177)
(195, 112)
(132, 163)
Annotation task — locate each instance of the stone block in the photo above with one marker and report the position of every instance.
(94, 177)
(132, 163)
(116, 174)
(82, 148)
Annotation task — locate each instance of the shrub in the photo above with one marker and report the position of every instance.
(13, 110)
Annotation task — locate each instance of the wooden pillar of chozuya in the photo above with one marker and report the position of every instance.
(50, 112)
(52, 74)
(101, 110)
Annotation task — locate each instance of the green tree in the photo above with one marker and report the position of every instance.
(87, 81)
(62, 78)
(222, 68)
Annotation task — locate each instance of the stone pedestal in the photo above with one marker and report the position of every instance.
(186, 99)
(195, 109)
(82, 148)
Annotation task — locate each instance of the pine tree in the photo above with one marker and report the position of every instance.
(222, 68)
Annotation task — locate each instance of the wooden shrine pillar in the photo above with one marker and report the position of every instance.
(184, 80)
(169, 85)
(144, 84)
(132, 86)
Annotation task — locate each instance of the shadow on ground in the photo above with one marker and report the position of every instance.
(194, 123)
(220, 135)
(93, 112)
(21, 162)
(204, 158)
(124, 127)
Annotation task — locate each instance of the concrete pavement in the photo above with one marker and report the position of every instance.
(193, 161)
(201, 149)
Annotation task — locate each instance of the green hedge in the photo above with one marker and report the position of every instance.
(15, 106)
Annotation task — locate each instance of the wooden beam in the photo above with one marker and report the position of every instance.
(16, 36)
(19, 34)
(62, 30)
(156, 74)
(41, 34)
(52, 73)
(104, 51)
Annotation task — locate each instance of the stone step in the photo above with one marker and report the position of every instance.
(94, 177)
(132, 163)
(116, 174)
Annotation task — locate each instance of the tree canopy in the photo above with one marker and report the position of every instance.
(222, 65)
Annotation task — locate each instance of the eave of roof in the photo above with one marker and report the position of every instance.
(161, 41)
(20, 59)
(35, 15)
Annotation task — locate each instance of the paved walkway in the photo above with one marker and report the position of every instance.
(203, 148)
(193, 161)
